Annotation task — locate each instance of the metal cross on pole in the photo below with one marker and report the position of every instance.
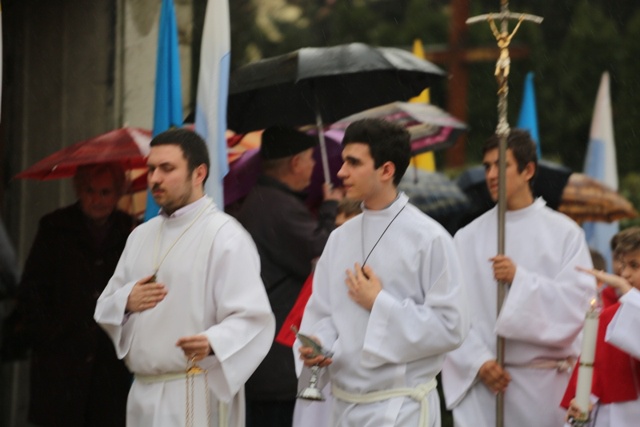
(503, 66)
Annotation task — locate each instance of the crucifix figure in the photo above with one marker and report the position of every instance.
(503, 64)
(503, 38)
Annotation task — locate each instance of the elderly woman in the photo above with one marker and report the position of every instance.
(76, 379)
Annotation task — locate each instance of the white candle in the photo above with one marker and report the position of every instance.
(585, 370)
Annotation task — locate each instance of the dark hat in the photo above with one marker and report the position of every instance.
(282, 141)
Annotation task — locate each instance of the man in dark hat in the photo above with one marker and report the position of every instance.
(288, 238)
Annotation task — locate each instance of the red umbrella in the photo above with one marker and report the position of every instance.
(129, 146)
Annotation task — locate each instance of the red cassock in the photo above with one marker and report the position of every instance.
(608, 296)
(615, 373)
(286, 336)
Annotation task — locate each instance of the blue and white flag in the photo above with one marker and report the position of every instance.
(528, 119)
(601, 164)
(167, 110)
(213, 89)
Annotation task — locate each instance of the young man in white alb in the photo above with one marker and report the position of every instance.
(387, 298)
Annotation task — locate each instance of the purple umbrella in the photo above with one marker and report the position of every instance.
(244, 172)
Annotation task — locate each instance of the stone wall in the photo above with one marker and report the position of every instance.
(75, 69)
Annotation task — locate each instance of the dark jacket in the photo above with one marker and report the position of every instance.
(288, 238)
(76, 378)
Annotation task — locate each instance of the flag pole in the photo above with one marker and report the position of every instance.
(503, 64)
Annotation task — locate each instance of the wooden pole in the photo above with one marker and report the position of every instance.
(457, 86)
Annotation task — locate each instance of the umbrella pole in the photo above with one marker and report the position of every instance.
(323, 144)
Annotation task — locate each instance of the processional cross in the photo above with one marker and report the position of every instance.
(503, 67)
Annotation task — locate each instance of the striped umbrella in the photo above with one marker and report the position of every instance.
(587, 199)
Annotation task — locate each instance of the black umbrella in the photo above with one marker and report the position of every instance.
(549, 184)
(436, 195)
(323, 84)
(337, 81)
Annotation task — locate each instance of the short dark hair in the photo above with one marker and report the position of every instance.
(598, 261)
(628, 240)
(613, 243)
(193, 147)
(522, 147)
(388, 142)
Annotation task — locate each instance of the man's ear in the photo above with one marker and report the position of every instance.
(388, 171)
(529, 171)
(199, 174)
(295, 163)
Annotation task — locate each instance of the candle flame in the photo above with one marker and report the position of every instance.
(594, 303)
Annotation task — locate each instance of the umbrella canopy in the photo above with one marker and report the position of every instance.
(334, 82)
(129, 146)
(549, 183)
(434, 194)
(431, 128)
(587, 199)
(241, 142)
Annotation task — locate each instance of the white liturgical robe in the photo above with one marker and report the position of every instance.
(419, 315)
(541, 318)
(624, 329)
(212, 274)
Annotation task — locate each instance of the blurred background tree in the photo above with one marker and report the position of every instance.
(575, 44)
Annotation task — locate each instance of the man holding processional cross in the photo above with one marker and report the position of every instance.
(512, 370)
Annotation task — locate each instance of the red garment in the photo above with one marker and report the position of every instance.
(616, 375)
(609, 296)
(286, 336)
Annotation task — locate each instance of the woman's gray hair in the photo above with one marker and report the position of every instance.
(86, 172)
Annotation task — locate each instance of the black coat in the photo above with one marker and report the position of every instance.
(76, 378)
(288, 238)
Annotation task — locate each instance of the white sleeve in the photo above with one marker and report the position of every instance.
(317, 320)
(244, 324)
(461, 366)
(111, 306)
(623, 328)
(549, 311)
(403, 331)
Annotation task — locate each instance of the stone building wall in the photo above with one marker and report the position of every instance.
(73, 69)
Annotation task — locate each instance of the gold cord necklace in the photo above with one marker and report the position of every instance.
(156, 246)
(192, 371)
